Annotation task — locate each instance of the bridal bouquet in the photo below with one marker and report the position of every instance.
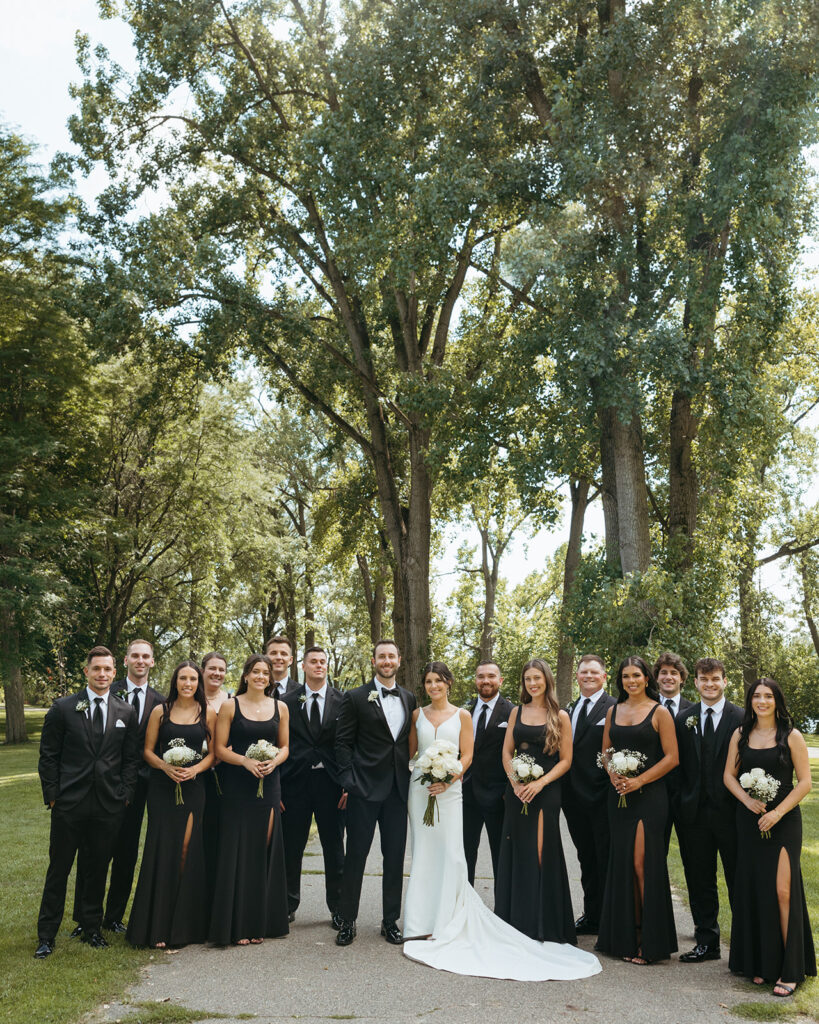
(525, 769)
(438, 763)
(180, 755)
(261, 750)
(761, 786)
(628, 763)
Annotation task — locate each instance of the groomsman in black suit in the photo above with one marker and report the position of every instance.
(372, 751)
(585, 788)
(135, 690)
(311, 784)
(705, 807)
(670, 674)
(485, 780)
(280, 651)
(89, 755)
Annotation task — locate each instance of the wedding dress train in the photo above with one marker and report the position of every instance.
(467, 938)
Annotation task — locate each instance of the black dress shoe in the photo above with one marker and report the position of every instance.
(95, 940)
(291, 917)
(700, 953)
(584, 926)
(77, 933)
(346, 933)
(46, 948)
(114, 926)
(336, 921)
(391, 933)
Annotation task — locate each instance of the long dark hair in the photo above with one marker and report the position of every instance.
(551, 730)
(784, 721)
(651, 685)
(199, 696)
(254, 659)
(441, 669)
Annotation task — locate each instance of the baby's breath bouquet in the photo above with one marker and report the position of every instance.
(438, 763)
(761, 786)
(628, 763)
(525, 769)
(261, 750)
(180, 755)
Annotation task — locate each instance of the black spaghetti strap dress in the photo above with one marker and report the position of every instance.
(621, 934)
(250, 897)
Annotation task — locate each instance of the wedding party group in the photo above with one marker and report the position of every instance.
(233, 783)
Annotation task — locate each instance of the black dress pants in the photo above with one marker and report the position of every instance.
(313, 793)
(712, 832)
(589, 828)
(86, 831)
(362, 816)
(476, 817)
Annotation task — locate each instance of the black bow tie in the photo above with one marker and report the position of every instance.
(390, 693)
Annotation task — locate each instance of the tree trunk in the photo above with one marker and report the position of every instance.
(13, 681)
(309, 614)
(682, 480)
(490, 563)
(632, 495)
(373, 597)
(806, 608)
(287, 592)
(579, 491)
(748, 625)
(606, 417)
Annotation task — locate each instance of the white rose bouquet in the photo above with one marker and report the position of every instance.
(525, 769)
(180, 755)
(628, 763)
(261, 750)
(761, 786)
(438, 763)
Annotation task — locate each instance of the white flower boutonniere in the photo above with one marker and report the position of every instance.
(372, 697)
(122, 694)
(302, 698)
(691, 722)
(82, 705)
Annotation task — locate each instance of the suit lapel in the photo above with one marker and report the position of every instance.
(596, 712)
(405, 699)
(725, 727)
(110, 719)
(86, 718)
(379, 710)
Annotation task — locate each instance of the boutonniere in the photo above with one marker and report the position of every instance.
(302, 698)
(122, 694)
(691, 722)
(82, 705)
(372, 696)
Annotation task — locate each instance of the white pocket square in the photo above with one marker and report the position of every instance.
(503, 725)
(119, 724)
(602, 722)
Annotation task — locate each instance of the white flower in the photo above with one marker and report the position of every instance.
(746, 780)
(632, 764)
(691, 722)
(537, 771)
(438, 772)
(757, 773)
(372, 696)
(82, 705)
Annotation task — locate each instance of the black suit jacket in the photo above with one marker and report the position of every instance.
(305, 752)
(152, 698)
(485, 780)
(689, 741)
(70, 764)
(368, 757)
(586, 781)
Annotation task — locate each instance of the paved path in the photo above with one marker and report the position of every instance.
(306, 977)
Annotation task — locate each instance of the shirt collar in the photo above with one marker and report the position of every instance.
(381, 686)
(717, 708)
(489, 703)
(593, 697)
(93, 696)
(131, 685)
(322, 692)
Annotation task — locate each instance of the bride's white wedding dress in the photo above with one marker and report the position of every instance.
(467, 938)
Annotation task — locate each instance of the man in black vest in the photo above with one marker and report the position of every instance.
(705, 808)
(280, 652)
(372, 751)
(485, 780)
(670, 674)
(310, 782)
(585, 788)
(89, 755)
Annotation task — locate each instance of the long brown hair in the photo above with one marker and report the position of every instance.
(551, 730)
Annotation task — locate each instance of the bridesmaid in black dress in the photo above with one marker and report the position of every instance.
(214, 669)
(250, 901)
(169, 908)
(770, 932)
(532, 887)
(637, 919)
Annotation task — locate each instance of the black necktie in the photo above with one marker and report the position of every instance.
(135, 702)
(708, 752)
(97, 726)
(670, 705)
(315, 717)
(482, 717)
(584, 712)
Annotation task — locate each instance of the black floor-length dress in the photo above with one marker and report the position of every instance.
(534, 897)
(654, 937)
(250, 896)
(757, 949)
(169, 903)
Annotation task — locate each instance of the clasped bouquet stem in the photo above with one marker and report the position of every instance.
(261, 750)
(180, 755)
(628, 763)
(761, 786)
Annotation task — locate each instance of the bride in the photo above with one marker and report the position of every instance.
(448, 924)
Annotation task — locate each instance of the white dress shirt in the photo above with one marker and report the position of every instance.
(675, 710)
(717, 708)
(476, 712)
(393, 708)
(91, 697)
(322, 697)
(143, 693)
(593, 699)
(281, 686)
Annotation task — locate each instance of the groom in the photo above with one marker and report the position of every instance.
(372, 752)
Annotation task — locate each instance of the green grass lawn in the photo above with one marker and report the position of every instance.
(75, 978)
(806, 1000)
